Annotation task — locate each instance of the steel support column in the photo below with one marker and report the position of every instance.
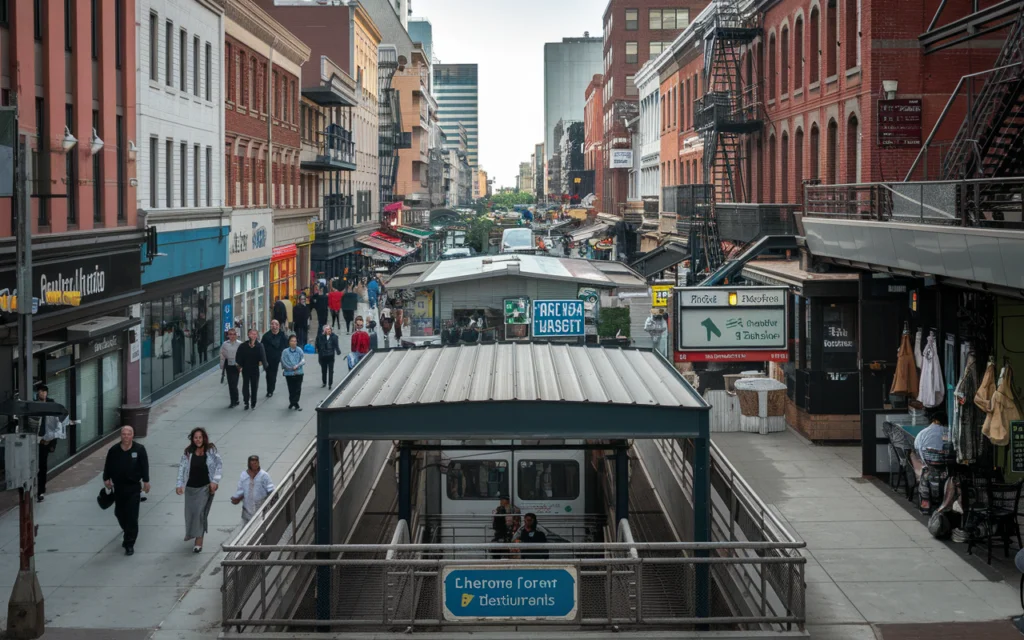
(621, 482)
(404, 482)
(324, 512)
(702, 511)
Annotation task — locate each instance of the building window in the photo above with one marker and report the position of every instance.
(195, 66)
(37, 22)
(169, 53)
(798, 54)
(154, 171)
(784, 166)
(631, 53)
(153, 55)
(852, 33)
(815, 153)
(275, 108)
(784, 59)
(830, 38)
(631, 86)
(632, 19)
(97, 176)
(772, 161)
(771, 68)
(71, 162)
(121, 212)
(183, 60)
(241, 70)
(798, 165)
(4, 15)
(669, 19)
(852, 144)
(41, 164)
(93, 27)
(209, 176)
(183, 174)
(169, 172)
(119, 32)
(251, 98)
(815, 46)
(69, 24)
(209, 71)
(195, 176)
(832, 153)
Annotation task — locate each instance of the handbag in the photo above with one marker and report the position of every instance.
(105, 499)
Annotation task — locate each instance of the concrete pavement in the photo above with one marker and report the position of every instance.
(164, 591)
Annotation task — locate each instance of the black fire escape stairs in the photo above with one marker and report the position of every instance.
(728, 111)
(990, 142)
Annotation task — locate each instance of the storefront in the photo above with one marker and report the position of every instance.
(385, 252)
(294, 234)
(284, 274)
(246, 281)
(80, 352)
(429, 244)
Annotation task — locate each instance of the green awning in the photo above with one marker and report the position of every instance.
(421, 234)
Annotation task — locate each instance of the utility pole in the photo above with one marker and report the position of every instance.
(25, 614)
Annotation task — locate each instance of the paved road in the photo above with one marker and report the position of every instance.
(164, 591)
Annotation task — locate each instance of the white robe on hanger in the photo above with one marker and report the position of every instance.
(932, 389)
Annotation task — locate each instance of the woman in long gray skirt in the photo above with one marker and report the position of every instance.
(199, 475)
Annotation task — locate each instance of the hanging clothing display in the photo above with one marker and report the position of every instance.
(987, 388)
(905, 382)
(933, 388)
(965, 428)
(1004, 410)
(917, 347)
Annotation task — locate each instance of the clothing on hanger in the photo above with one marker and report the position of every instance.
(965, 427)
(1004, 410)
(932, 388)
(987, 388)
(917, 347)
(905, 382)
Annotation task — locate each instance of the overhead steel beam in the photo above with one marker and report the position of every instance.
(973, 25)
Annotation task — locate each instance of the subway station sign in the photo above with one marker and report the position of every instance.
(731, 324)
(524, 592)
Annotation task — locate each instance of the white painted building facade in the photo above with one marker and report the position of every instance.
(647, 181)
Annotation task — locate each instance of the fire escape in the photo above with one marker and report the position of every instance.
(390, 138)
(728, 111)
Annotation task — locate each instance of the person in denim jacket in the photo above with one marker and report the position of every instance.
(199, 474)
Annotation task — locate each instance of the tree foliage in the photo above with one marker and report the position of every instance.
(508, 199)
(479, 232)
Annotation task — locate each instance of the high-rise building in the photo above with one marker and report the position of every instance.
(569, 66)
(538, 171)
(421, 31)
(457, 90)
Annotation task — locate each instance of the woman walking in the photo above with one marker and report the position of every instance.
(199, 475)
(292, 362)
(349, 306)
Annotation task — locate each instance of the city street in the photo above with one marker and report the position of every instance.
(91, 588)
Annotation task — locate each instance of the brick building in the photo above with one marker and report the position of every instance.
(593, 136)
(72, 76)
(262, 156)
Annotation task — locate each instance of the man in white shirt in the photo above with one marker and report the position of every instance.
(933, 437)
(254, 486)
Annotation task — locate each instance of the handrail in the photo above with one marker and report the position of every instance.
(626, 535)
(399, 539)
(945, 110)
(476, 546)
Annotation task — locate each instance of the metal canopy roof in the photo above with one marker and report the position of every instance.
(513, 391)
(600, 273)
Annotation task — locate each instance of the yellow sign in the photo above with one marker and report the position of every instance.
(66, 298)
(466, 599)
(312, 231)
(8, 304)
(659, 295)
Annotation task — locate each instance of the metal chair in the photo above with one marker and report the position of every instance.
(900, 446)
(998, 518)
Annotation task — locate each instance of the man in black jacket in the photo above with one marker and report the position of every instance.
(46, 447)
(274, 343)
(281, 312)
(300, 321)
(327, 347)
(248, 358)
(126, 466)
(319, 303)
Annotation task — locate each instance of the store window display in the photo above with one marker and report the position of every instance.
(179, 336)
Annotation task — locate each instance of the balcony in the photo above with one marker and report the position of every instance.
(333, 150)
(336, 217)
(729, 111)
(967, 231)
(336, 89)
(746, 223)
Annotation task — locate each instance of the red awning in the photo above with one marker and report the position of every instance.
(287, 251)
(380, 235)
(399, 250)
(393, 207)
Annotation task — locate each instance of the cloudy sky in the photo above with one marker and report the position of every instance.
(506, 38)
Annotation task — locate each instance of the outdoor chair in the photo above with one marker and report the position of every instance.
(998, 518)
(901, 471)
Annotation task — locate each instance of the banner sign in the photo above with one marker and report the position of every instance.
(557, 318)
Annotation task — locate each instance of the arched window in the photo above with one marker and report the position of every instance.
(772, 161)
(851, 42)
(784, 166)
(832, 153)
(830, 37)
(243, 93)
(815, 164)
(784, 59)
(815, 46)
(771, 67)
(760, 170)
(852, 148)
(798, 165)
(798, 53)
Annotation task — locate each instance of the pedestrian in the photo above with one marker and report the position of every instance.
(334, 304)
(349, 305)
(48, 428)
(228, 351)
(293, 360)
(254, 487)
(199, 474)
(249, 357)
(126, 466)
(274, 342)
(300, 321)
(327, 347)
(319, 303)
(281, 312)
(201, 337)
(386, 324)
(530, 534)
(372, 290)
(360, 344)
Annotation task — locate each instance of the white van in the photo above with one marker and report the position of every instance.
(519, 240)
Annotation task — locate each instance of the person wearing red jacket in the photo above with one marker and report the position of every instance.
(360, 343)
(334, 304)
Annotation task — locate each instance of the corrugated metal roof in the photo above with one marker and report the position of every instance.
(590, 272)
(501, 372)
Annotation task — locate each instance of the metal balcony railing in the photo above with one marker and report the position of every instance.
(335, 149)
(335, 218)
(989, 203)
(747, 222)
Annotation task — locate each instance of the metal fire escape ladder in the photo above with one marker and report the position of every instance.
(988, 142)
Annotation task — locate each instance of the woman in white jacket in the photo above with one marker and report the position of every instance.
(254, 486)
(199, 474)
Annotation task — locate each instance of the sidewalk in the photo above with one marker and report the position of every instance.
(91, 589)
(871, 561)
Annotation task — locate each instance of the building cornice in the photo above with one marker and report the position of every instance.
(249, 16)
(216, 6)
(366, 21)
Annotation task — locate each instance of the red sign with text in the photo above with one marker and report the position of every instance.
(732, 356)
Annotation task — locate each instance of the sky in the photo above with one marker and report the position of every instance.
(506, 38)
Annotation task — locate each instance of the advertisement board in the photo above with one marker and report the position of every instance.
(723, 324)
(621, 159)
(899, 122)
(252, 236)
(558, 318)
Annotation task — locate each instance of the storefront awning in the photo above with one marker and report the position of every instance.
(413, 232)
(393, 207)
(400, 250)
(588, 232)
(386, 237)
(102, 326)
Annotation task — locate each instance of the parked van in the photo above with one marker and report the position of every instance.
(519, 240)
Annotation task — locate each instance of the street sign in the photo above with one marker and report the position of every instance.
(726, 324)
(557, 318)
(659, 295)
(540, 592)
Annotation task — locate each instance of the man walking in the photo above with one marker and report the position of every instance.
(228, 351)
(300, 321)
(327, 347)
(254, 486)
(126, 466)
(47, 441)
(274, 344)
(319, 303)
(249, 357)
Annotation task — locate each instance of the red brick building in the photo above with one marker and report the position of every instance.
(634, 32)
(593, 136)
